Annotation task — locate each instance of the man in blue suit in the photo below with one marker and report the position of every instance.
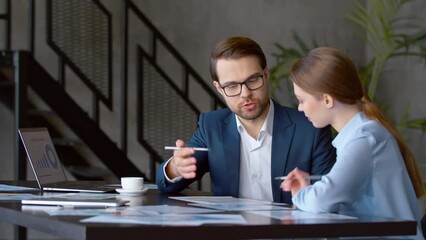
(252, 141)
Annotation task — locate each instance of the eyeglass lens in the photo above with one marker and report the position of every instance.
(252, 84)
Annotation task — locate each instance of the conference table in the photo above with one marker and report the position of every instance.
(256, 227)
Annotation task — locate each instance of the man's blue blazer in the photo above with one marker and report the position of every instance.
(295, 143)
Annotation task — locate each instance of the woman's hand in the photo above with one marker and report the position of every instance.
(295, 180)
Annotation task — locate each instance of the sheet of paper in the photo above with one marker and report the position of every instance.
(84, 212)
(150, 185)
(226, 203)
(12, 188)
(296, 215)
(223, 200)
(166, 209)
(80, 195)
(16, 196)
(146, 185)
(171, 219)
(149, 210)
(241, 207)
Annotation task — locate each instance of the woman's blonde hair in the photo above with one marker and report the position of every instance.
(328, 70)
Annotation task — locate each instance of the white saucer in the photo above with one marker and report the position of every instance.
(131, 192)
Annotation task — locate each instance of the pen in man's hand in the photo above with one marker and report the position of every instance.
(311, 177)
(177, 148)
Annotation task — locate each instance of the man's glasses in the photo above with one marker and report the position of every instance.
(234, 89)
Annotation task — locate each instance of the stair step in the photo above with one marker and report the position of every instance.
(7, 84)
(67, 142)
(7, 93)
(89, 172)
(6, 58)
(40, 112)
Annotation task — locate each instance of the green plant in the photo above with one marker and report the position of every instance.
(285, 58)
(386, 33)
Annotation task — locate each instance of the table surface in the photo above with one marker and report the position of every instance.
(257, 227)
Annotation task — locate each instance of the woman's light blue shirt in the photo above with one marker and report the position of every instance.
(369, 176)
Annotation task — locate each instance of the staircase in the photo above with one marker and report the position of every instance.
(64, 107)
(163, 109)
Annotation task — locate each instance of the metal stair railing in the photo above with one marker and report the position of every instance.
(159, 97)
(86, 51)
(5, 18)
(63, 105)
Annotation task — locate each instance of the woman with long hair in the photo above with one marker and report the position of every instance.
(375, 172)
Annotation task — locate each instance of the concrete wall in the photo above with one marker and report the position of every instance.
(196, 26)
(401, 90)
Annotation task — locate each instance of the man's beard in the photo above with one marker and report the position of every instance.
(255, 113)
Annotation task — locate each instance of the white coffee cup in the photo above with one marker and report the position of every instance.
(132, 183)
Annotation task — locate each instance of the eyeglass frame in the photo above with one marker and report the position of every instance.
(261, 76)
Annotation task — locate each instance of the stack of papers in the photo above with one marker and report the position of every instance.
(227, 203)
(75, 202)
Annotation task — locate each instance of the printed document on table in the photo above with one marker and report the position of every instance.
(170, 219)
(166, 209)
(226, 203)
(12, 188)
(82, 202)
(147, 210)
(72, 211)
(242, 207)
(223, 200)
(16, 196)
(297, 215)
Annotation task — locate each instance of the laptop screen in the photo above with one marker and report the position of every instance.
(42, 155)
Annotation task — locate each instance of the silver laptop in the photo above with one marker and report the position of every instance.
(47, 167)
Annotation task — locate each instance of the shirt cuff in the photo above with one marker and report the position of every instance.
(167, 177)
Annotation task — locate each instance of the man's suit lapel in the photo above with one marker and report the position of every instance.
(281, 141)
(231, 142)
